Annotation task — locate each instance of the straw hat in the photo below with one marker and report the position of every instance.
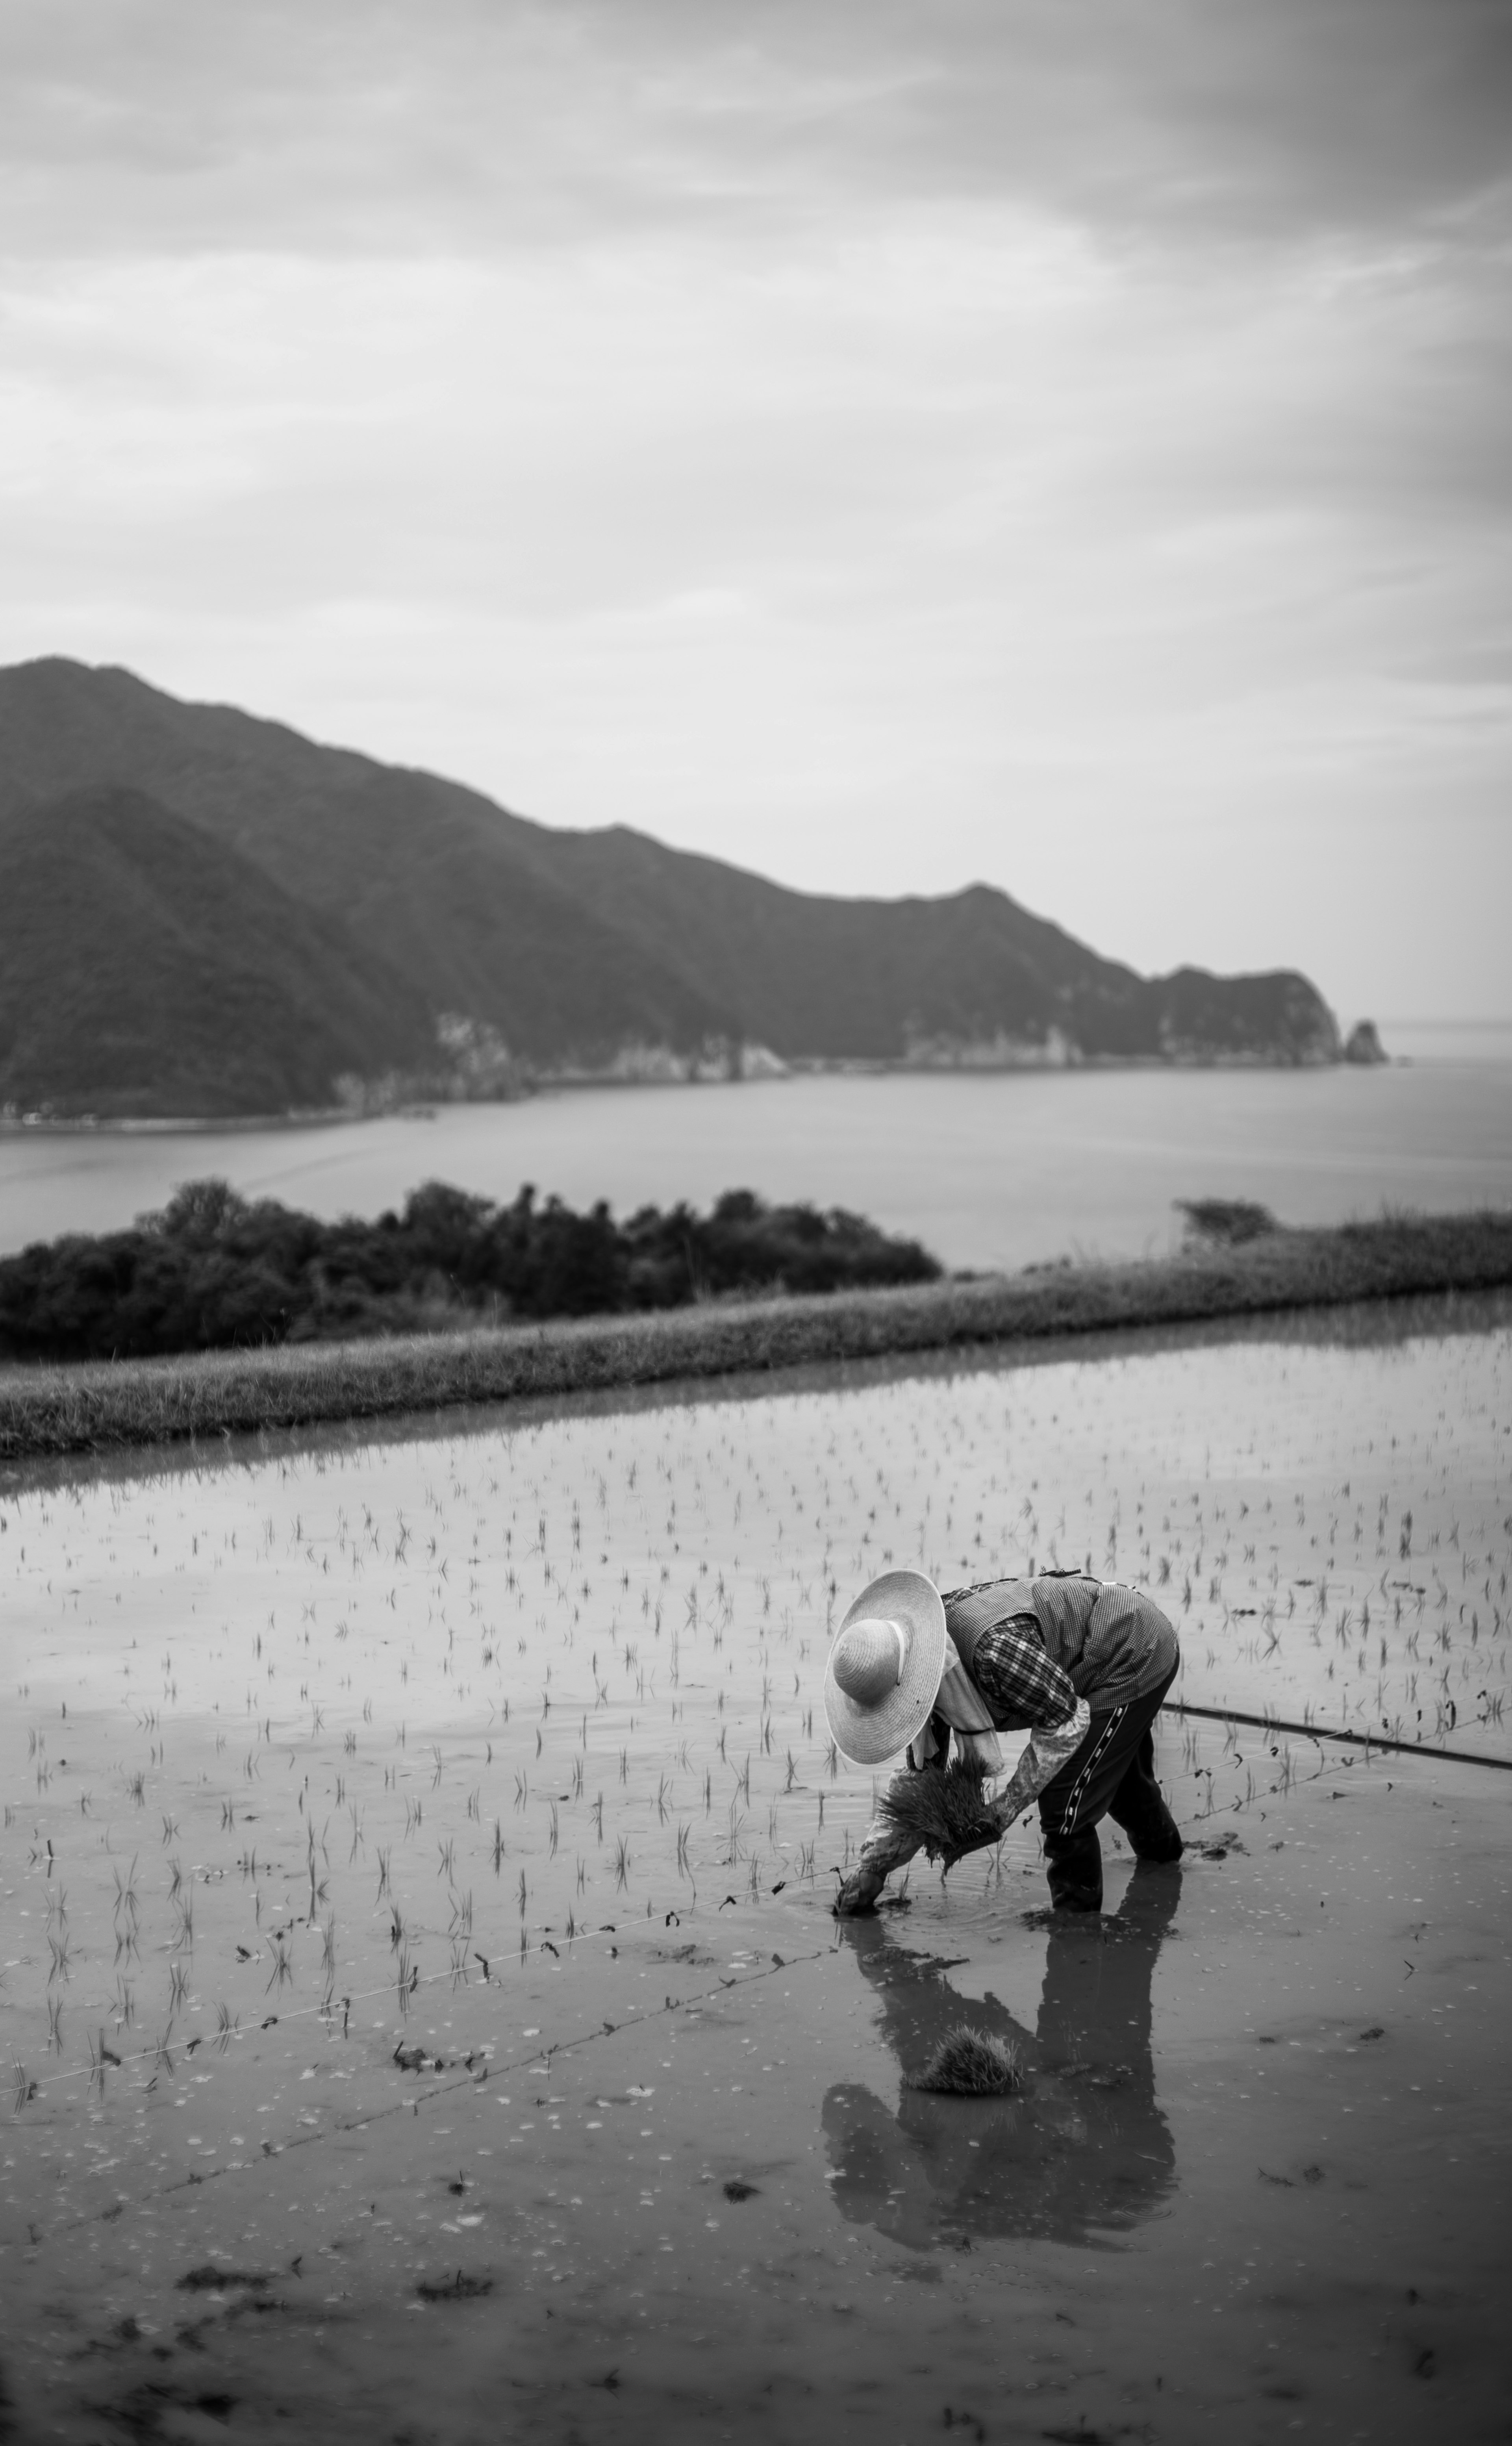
(884, 1667)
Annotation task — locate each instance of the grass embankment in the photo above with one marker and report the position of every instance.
(49, 1409)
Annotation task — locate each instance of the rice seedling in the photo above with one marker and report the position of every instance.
(125, 1903)
(946, 1810)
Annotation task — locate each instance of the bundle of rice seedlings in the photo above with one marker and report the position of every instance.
(970, 2063)
(946, 1809)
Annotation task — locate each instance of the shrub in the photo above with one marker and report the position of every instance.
(213, 1270)
(1228, 1221)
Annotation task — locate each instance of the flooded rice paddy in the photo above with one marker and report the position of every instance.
(422, 2012)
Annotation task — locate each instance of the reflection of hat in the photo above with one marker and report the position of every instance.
(884, 1667)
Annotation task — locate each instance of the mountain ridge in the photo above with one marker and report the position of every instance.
(512, 953)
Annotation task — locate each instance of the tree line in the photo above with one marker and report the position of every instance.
(215, 1270)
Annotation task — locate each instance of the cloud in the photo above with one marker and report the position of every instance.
(439, 125)
(883, 444)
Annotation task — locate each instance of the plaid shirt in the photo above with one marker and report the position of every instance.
(1024, 1688)
(1021, 1682)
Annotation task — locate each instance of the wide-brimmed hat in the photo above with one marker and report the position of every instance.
(884, 1667)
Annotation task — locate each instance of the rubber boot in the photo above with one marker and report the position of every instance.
(1073, 1864)
(1154, 1835)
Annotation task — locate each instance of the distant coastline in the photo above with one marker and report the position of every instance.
(424, 1107)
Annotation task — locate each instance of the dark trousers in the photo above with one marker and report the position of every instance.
(1112, 1775)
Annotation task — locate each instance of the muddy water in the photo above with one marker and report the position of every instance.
(416, 1869)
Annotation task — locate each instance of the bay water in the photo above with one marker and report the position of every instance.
(998, 1170)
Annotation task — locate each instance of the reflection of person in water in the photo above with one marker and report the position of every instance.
(1083, 2145)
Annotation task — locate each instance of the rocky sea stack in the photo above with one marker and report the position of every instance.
(1364, 1045)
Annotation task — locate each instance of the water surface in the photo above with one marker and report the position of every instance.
(986, 1170)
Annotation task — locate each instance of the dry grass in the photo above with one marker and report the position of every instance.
(49, 1409)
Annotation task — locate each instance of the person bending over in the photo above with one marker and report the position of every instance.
(1081, 1664)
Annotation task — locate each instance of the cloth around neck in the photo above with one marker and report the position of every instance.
(963, 1707)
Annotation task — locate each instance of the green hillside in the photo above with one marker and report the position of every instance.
(146, 967)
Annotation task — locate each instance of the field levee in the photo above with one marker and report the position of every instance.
(49, 1409)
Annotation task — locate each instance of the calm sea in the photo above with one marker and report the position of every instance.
(991, 1171)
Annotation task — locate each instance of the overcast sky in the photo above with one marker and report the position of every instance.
(1060, 444)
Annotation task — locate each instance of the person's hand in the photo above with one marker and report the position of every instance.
(859, 1893)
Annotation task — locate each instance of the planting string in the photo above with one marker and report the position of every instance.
(419, 2098)
(1328, 1733)
(1172, 1706)
(326, 2011)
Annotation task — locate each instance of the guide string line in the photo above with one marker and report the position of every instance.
(447, 2088)
(1330, 1733)
(327, 2010)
